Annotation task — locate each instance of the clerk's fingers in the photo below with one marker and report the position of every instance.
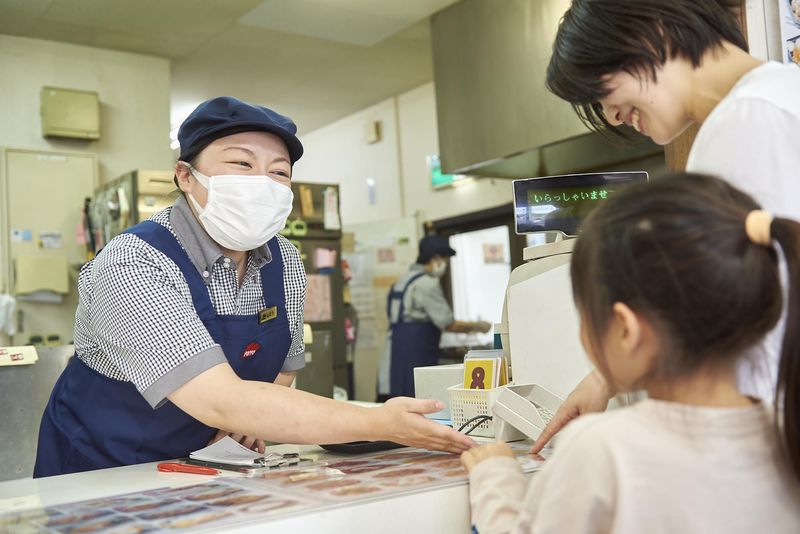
(445, 438)
(218, 436)
(260, 446)
(248, 442)
(421, 406)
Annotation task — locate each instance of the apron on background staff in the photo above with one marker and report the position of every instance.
(190, 324)
(418, 313)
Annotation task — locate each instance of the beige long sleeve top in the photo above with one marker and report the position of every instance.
(653, 467)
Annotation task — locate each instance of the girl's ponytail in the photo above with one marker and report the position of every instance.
(787, 397)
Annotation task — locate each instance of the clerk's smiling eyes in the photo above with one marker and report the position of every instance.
(278, 171)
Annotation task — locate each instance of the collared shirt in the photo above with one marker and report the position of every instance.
(136, 321)
(424, 299)
(423, 302)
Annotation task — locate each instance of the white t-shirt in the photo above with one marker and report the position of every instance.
(655, 467)
(752, 139)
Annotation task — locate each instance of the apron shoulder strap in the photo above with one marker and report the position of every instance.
(399, 295)
(162, 239)
(272, 287)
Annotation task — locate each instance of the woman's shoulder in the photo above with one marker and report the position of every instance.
(771, 85)
(128, 249)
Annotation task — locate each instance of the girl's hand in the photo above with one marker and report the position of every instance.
(476, 455)
(590, 395)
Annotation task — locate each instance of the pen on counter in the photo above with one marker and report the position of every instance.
(172, 467)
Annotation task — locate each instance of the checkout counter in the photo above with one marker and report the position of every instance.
(539, 333)
(438, 510)
(121, 499)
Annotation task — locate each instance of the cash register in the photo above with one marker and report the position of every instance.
(539, 330)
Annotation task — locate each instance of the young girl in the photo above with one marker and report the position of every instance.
(660, 66)
(674, 281)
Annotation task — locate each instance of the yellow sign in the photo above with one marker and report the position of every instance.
(503, 372)
(267, 314)
(480, 373)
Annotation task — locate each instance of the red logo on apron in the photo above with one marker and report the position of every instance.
(250, 349)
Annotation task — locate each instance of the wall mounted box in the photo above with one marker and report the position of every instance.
(70, 113)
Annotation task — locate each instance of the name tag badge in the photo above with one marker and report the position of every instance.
(267, 314)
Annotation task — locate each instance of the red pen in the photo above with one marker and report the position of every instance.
(172, 467)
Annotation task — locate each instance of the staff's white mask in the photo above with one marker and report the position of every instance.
(439, 268)
(242, 212)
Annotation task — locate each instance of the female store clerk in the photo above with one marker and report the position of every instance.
(189, 324)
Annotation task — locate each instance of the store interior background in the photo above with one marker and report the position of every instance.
(342, 69)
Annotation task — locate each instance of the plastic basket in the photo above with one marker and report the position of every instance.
(468, 403)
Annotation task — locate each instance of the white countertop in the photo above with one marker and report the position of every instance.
(436, 510)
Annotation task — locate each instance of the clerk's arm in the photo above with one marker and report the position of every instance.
(283, 379)
(429, 297)
(465, 327)
(220, 399)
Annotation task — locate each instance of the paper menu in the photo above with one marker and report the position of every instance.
(227, 451)
(325, 258)
(331, 206)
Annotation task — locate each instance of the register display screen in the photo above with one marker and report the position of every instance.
(562, 202)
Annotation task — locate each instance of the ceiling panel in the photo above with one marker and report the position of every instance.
(315, 77)
(358, 22)
(19, 15)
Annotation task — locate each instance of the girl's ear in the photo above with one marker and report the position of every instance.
(628, 327)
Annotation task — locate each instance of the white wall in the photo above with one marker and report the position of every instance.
(134, 95)
(419, 138)
(763, 29)
(338, 153)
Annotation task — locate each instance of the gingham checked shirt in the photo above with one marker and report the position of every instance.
(135, 320)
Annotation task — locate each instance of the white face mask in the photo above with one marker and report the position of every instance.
(439, 268)
(242, 212)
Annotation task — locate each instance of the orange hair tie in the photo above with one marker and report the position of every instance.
(757, 225)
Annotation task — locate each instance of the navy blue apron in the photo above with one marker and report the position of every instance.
(94, 422)
(414, 344)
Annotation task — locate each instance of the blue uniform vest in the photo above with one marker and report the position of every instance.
(94, 422)
(414, 344)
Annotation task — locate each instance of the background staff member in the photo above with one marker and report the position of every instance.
(418, 313)
(660, 67)
(192, 320)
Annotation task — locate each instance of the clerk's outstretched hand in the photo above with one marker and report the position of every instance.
(590, 395)
(401, 420)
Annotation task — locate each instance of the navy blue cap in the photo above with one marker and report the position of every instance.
(225, 115)
(432, 245)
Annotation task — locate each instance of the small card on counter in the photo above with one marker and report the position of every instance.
(25, 355)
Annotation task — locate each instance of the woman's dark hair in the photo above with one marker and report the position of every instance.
(600, 37)
(676, 251)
